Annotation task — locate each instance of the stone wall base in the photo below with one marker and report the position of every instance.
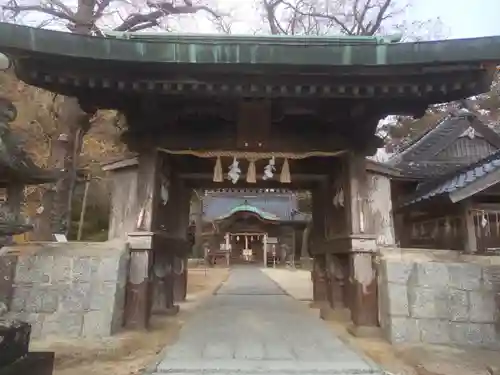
(70, 289)
(439, 297)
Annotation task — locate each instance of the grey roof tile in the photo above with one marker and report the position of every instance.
(414, 160)
(460, 180)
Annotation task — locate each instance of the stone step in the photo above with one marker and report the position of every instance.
(249, 367)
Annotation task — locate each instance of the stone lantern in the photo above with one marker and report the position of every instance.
(16, 171)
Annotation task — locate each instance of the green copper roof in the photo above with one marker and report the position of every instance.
(162, 37)
(249, 208)
(22, 41)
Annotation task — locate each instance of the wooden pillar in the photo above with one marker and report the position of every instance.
(362, 244)
(336, 308)
(138, 289)
(198, 219)
(172, 244)
(318, 276)
(181, 269)
(180, 278)
(335, 280)
(470, 239)
(264, 245)
(402, 230)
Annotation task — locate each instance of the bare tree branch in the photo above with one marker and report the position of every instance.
(49, 10)
(141, 21)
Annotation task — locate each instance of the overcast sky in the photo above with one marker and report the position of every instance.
(462, 18)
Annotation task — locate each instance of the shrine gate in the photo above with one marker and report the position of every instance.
(200, 107)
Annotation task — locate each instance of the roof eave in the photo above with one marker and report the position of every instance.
(17, 39)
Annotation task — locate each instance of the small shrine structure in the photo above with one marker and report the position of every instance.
(252, 226)
(217, 112)
(448, 191)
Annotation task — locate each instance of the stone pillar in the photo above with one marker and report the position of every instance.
(361, 247)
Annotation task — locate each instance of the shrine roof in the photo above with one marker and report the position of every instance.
(252, 209)
(104, 70)
(270, 206)
(415, 158)
(210, 49)
(462, 184)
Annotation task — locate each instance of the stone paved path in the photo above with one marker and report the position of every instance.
(250, 327)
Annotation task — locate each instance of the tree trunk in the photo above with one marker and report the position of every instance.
(66, 145)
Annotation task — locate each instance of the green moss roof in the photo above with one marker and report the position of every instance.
(252, 209)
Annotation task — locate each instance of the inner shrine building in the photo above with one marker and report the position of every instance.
(215, 112)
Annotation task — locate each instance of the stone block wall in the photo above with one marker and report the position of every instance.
(70, 289)
(439, 297)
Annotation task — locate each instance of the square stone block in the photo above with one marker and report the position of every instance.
(464, 276)
(398, 272)
(458, 305)
(20, 296)
(427, 303)
(34, 300)
(483, 307)
(24, 267)
(62, 269)
(403, 330)
(63, 324)
(397, 298)
(473, 334)
(434, 331)
(75, 297)
(102, 295)
(491, 278)
(84, 268)
(42, 299)
(108, 269)
(97, 324)
(432, 275)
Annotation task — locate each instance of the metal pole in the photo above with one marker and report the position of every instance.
(84, 208)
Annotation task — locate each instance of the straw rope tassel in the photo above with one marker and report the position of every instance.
(218, 175)
(285, 177)
(251, 174)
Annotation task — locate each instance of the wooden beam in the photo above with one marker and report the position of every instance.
(242, 184)
(295, 177)
(469, 227)
(119, 164)
(225, 141)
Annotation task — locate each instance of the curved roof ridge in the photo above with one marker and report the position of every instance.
(246, 207)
